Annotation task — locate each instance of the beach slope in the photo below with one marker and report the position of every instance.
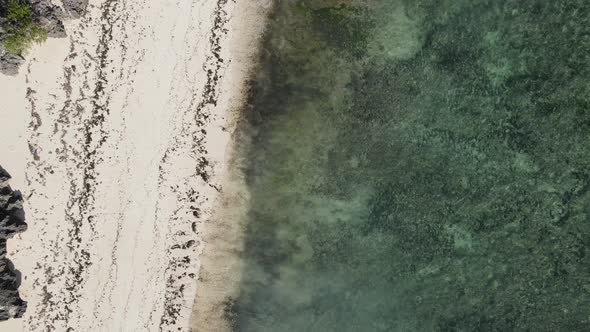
(117, 137)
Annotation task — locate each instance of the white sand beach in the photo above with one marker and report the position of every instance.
(118, 137)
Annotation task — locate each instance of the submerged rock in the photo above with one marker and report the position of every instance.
(11, 223)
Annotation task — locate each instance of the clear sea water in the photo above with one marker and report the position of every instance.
(420, 166)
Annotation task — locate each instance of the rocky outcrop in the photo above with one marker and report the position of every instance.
(9, 62)
(75, 8)
(11, 222)
(51, 17)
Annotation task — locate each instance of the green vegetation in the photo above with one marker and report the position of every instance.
(21, 29)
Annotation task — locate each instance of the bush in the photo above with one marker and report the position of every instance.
(21, 29)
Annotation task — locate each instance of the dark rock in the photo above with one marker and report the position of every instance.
(76, 8)
(51, 17)
(9, 62)
(11, 222)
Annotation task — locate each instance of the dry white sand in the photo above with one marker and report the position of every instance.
(118, 138)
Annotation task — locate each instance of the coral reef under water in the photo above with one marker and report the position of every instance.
(420, 166)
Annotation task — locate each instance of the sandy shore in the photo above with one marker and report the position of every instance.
(118, 138)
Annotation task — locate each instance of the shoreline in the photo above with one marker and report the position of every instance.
(124, 155)
(224, 232)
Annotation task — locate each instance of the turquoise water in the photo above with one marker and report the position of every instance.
(420, 166)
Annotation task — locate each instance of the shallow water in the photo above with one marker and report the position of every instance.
(419, 166)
